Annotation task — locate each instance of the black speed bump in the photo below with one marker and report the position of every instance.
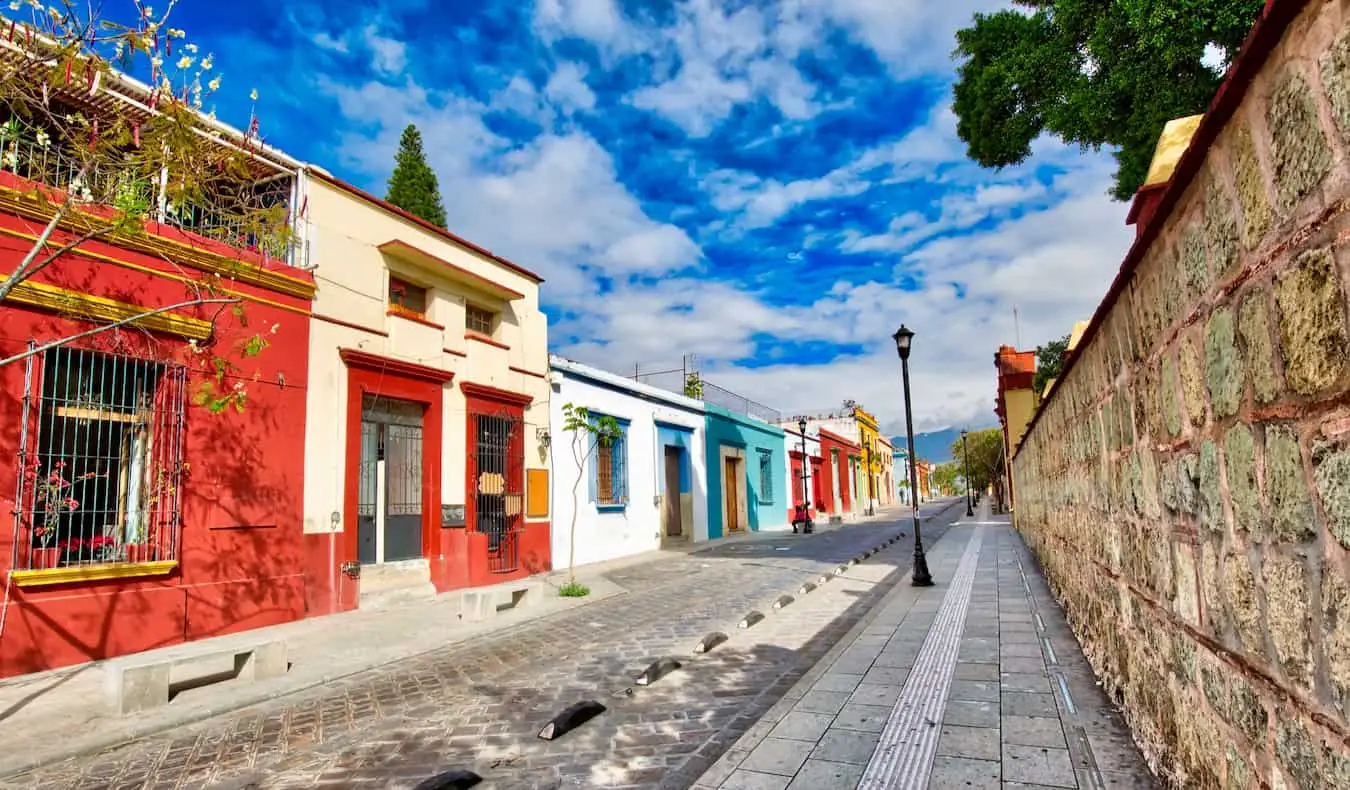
(823, 579)
(710, 641)
(805, 588)
(570, 719)
(841, 570)
(458, 779)
(783, 600)
(750, 619)
(656, 670)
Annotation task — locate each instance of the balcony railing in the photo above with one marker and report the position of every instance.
(42, 161)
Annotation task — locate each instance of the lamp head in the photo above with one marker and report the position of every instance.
(903, 337)
(801, 423)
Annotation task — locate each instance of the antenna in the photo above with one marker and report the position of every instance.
(1017, 327)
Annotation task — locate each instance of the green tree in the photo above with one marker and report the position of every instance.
(413, 186)
(587, 433)
(1092, 74)
(986, 456)
(947, 476)
(1049, 362)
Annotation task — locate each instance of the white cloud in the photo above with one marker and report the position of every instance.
(568, 89)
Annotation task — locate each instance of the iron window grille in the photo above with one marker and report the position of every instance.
(766, 477)
(611, 468)
(100, 461)
(478, 319)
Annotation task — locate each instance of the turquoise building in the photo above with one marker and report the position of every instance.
(746, 474)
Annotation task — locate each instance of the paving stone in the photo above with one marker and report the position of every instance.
(1021, 703)
(846, 746)
(1021, 681)
(1038, 765)
(975, 690)
(800, 726)
(823, 701)
(971, 714)
(963, 773)
(892, 675)
(837, 681)
(777, 756)
(820, 774)
(876, 694)
(978, 743)
(974, 671)
(1034, 731)
(863, 718)
(751, 780)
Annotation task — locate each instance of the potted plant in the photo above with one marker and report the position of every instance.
(51, 499)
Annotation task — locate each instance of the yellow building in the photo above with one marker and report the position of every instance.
(869, 440)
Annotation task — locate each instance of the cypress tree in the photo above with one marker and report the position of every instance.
(413, 186)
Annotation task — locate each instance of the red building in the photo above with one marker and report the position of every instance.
(836, 452)
(137, 517)
(818, 483)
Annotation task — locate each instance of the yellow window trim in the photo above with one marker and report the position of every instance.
(97, 308)
(136, 267)
(92, 573)
(16, 202)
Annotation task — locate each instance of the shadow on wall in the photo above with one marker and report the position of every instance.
(239, 546)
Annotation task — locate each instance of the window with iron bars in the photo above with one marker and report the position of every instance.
(609, 477)
(766, 477)
(100, 459)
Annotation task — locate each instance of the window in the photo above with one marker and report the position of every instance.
(102, 461)
(609, 473)
(479, 320)
(766, 477)
(406, 298)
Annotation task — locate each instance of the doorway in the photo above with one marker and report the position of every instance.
(672, 508)
(389, 501)
(496, 478)
(731, 479)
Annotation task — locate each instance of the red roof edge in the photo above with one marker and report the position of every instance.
(1265, 35)
(427, 226)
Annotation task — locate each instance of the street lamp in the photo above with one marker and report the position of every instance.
(965, 450)
(920, 577)
(867, 465)
(806, 496)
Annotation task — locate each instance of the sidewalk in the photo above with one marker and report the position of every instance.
(976, 682)
(53, 715)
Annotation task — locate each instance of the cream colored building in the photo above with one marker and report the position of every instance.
(426, 447)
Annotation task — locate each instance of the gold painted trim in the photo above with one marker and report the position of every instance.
(136, 267)
(1172, 143)
(92, 573)
(14, 202)
(97, 308)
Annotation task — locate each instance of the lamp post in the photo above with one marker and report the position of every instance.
(965, 450)
(920, 577)
(806, 496)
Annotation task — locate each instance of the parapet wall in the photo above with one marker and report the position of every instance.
(1186, 485)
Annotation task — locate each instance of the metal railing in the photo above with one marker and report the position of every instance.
(686, 380)
(41, 161)
(740, 404)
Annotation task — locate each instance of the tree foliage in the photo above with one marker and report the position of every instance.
(947, 477)
(986, 456)
(1092, 74)
(1049, 362)
(587, 432)
(413, 186)
(103, 172)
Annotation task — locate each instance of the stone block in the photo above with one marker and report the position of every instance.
(1194, 267)
(1291, 511)
(1299, 153)
(1244, 606)
(1188, 484)
(1246, 711)
(1251, 186)
(1236, 774)
(1239, 455)
(1169, 394)
(1213, 684)
(130, 689)
(1220, 230)
(1296, 753)
(1288, 615)
(1211, 493)
(1335, 67)
(1254, 328)
(1224, 373)
(1336, 634)
(1313, 336)
(1331, 472)
(1192, 378)
(1214, 611)
(1185, 595)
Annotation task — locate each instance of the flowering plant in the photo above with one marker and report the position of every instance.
(51, 497)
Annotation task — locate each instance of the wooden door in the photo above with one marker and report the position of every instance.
(730, 483)
(671, 498)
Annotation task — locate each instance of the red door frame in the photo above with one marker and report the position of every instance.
(480, 398)
(376, 375)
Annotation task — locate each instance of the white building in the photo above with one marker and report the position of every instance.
(646, 491)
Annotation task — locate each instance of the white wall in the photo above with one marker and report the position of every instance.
(609, 534)
(793, 443)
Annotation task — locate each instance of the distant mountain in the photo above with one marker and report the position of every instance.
(935, 446)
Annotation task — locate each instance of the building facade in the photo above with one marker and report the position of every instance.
(747, 479)
(886, 472)
(426, 469)
(841, 457)
(808, 474)
(155, 491)
(642, 490)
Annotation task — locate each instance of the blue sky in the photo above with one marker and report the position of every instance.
(773, 186)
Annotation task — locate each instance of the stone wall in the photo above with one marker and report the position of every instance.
(1187, 485)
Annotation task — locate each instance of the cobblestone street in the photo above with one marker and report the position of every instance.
(480, 704)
